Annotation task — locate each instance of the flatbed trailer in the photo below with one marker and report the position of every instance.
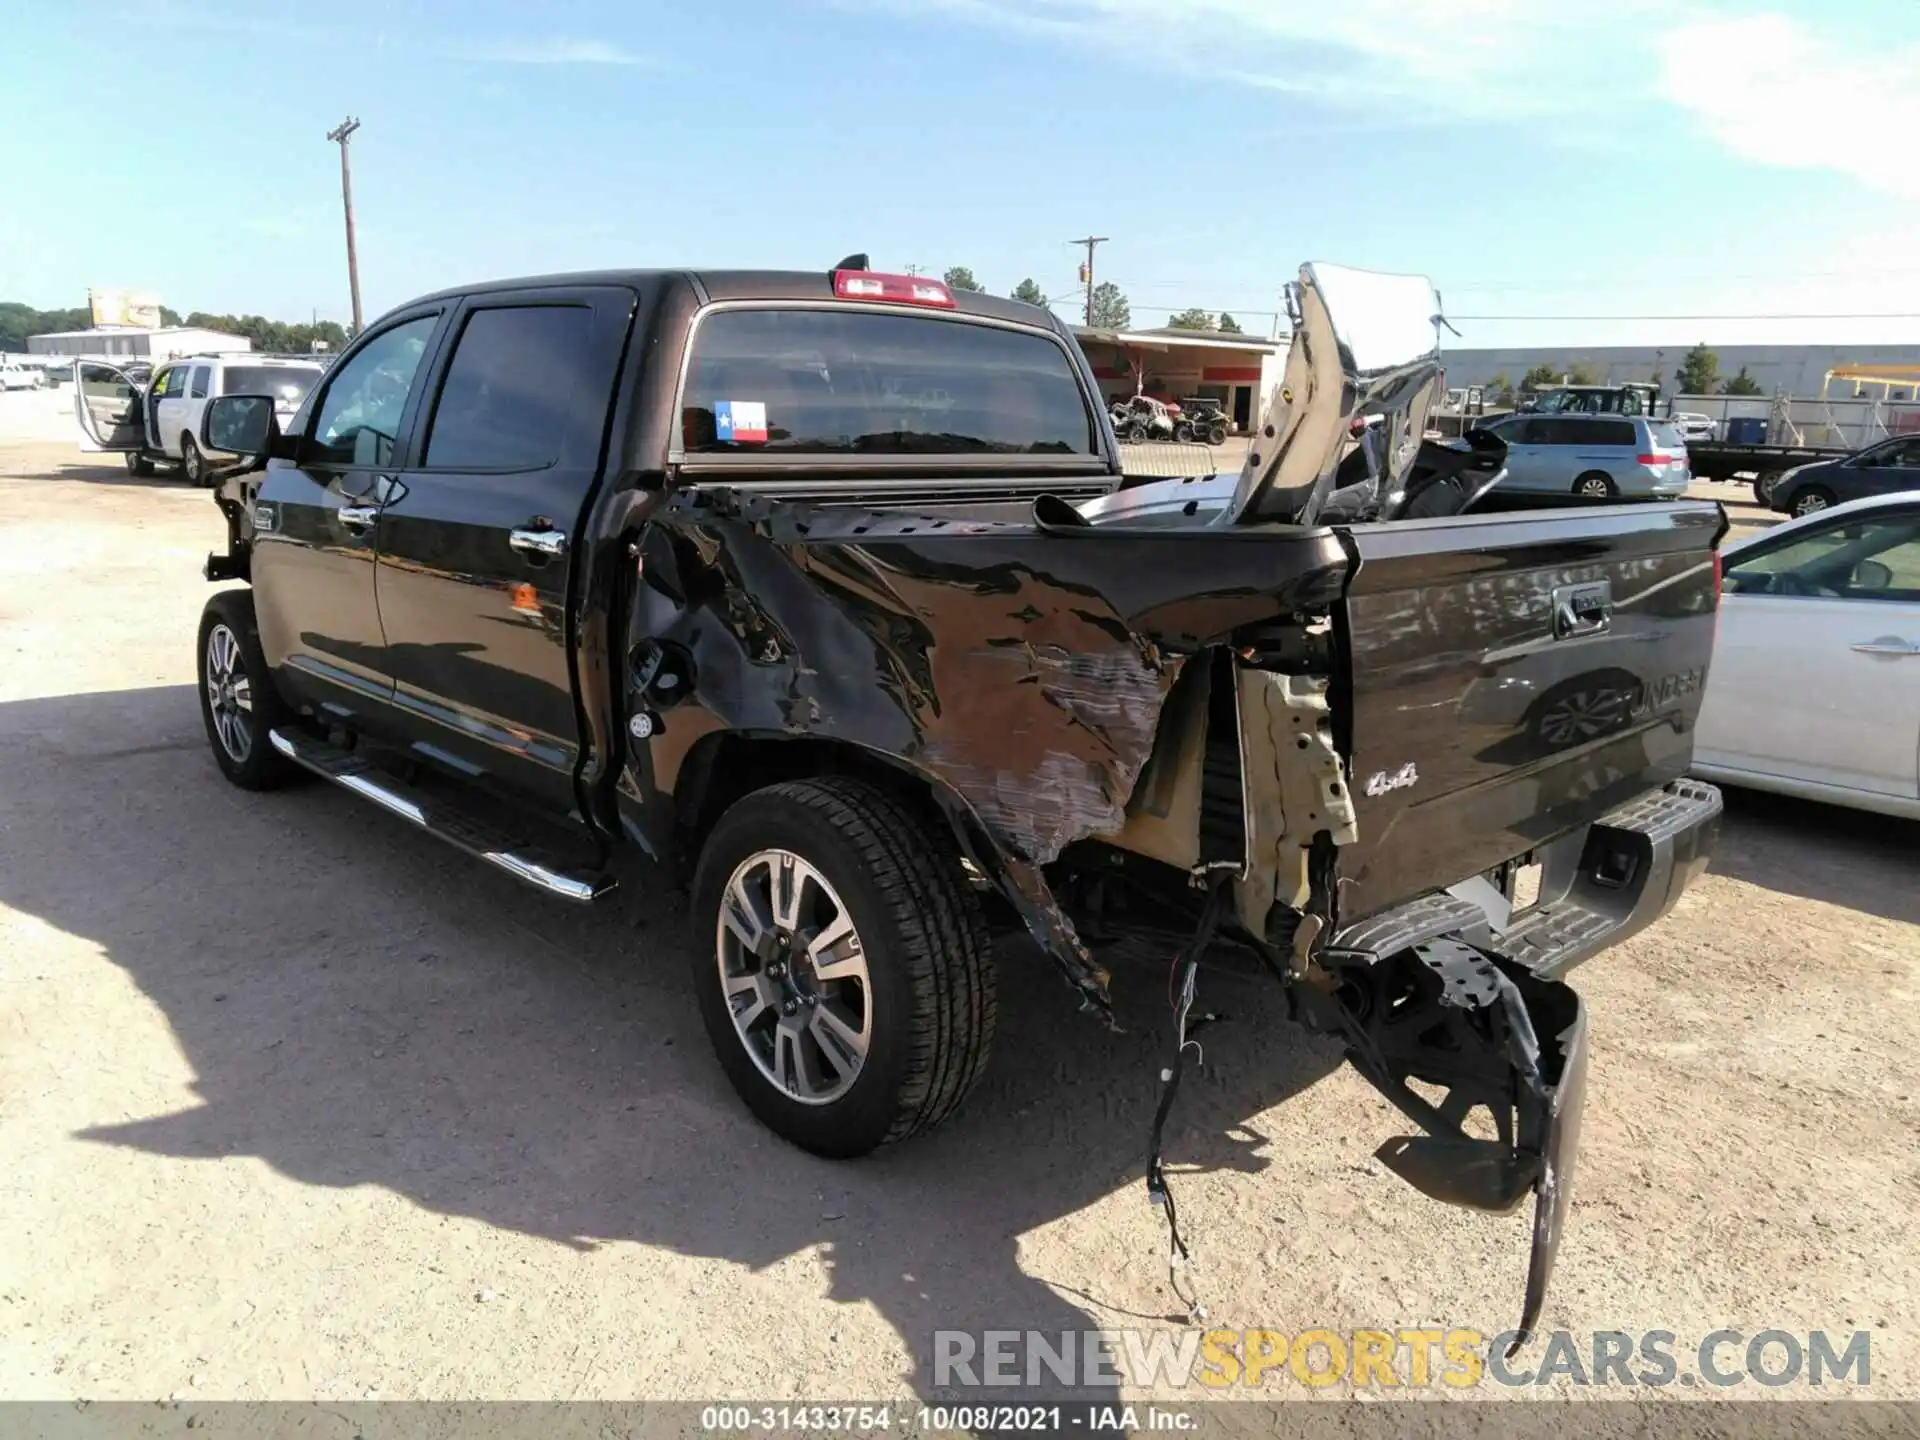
(1718, 460)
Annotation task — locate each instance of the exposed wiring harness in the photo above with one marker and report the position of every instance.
(1183, 978)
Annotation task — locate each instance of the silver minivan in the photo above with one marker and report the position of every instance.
(1593, 457)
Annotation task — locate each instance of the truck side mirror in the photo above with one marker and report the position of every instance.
(242, 425)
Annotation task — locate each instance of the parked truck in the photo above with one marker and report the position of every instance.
(822, 589)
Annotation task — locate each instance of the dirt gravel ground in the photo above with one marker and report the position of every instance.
(296, 1103)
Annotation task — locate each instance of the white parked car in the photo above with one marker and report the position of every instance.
(1694, 426)
(18, 373)
(1814, 688)
(119, 407)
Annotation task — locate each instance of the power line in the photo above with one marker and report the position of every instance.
(1861, 315)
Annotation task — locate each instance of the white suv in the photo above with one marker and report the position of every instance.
(17, 373)
(154, 421)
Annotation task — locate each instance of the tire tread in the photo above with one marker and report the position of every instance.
(944, 951)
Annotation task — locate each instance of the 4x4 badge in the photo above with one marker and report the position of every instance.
(1407, 775)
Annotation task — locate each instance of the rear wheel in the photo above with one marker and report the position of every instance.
(1216, 434)
(843, 970)
(1763, 485)
(1810, 501)
(237, 698)
(1595, 486)
(193, 464)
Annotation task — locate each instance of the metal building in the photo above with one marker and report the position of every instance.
(110, 342)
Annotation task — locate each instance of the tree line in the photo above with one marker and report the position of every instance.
(18, 321)
(1697, 374)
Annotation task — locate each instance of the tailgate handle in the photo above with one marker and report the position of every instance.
(1582, 609)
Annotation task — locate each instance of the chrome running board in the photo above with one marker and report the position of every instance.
(438, 817)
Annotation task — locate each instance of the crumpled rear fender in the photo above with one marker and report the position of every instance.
(1020, 670)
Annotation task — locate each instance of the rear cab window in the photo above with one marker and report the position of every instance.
(287, 384)
(826, 381)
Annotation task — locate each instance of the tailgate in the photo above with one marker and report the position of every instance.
(1514, 677)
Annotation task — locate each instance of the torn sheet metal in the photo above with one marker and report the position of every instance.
(1297, 789)
(1023, 671)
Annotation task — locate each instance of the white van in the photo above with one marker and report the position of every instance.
(118, 406)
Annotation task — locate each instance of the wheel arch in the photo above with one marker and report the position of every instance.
(725, 766)
(728, 765)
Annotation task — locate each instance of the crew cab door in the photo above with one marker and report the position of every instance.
(108, 405)
(316, 525)
(172, 404)
(478, 542)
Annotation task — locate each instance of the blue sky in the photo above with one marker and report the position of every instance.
(1535, 158)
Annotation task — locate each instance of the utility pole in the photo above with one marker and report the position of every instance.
(1086, 270)
(340, 137)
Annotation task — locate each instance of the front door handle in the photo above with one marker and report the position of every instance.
(359, 517)
(545, 544)
(1887, 645)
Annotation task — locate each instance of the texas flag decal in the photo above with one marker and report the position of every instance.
(744, 422)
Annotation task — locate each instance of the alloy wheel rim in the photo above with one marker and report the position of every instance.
(229, 694)
(794, 974)
(1809, 504)
(1593, 487)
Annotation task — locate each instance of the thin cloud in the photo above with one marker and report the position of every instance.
(1461, 59)
(1768, 88)
(549, 52)
(1775, 92)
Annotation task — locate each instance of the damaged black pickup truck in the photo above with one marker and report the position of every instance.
(826, 588)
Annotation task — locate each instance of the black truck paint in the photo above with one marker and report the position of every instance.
(1353, 733)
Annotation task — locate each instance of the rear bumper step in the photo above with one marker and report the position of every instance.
(1597, 886)
(437, 816)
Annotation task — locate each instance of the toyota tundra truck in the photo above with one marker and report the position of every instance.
(826, 591)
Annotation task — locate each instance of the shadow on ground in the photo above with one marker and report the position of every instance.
(1862, 861)
(363, 1006)
(110, 470)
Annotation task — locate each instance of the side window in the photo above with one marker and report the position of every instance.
(201, 374)
(1556, 432)
(163, 384)
(1616, 432)
(1875, 558)
(1900, 453)
(359, 416)
(509, 388)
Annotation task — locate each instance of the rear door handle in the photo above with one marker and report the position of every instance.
(358, 517)
(546, 544)
(1887, 645)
